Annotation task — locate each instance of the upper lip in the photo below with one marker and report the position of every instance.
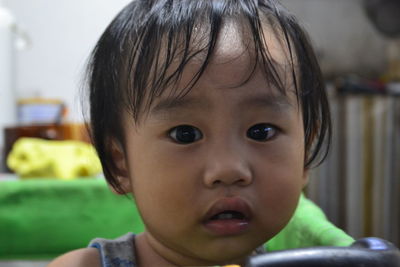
(229, 204)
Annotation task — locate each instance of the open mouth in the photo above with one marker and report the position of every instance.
(229, 215)
(233, 208)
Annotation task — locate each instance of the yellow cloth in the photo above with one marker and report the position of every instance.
(34, 157)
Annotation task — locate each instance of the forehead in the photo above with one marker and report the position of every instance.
(236, 39)
(236, 57)
(237, 49)
(233, 66)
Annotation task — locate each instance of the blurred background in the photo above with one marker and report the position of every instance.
(43, 48)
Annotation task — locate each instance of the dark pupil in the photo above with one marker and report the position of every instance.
(185, 134)
(258, 132)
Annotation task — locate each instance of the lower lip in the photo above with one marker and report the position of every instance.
(227, 227)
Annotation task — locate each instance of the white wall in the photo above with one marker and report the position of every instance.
(63, 32)
(344, 38)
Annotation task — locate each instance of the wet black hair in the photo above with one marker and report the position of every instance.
(131, 64)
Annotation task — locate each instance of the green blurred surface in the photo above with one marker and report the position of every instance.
(308, 227)
(44, 218)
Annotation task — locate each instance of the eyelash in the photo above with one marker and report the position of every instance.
(190, 134)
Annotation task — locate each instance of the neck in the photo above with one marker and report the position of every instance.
(150, 252)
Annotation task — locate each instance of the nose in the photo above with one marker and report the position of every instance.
(226, 168)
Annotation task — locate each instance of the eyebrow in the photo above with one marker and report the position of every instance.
(279, 102)
(170, 104)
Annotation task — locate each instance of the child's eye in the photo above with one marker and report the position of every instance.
(262, 132)
(185, 134)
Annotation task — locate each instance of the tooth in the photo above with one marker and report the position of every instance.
(225, 216)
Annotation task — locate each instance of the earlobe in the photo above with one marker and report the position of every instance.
(305, 177)
(121, 172)
(123, 188)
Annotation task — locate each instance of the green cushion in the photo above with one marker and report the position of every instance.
(44, 218)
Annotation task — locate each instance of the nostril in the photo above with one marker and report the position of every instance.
(217, 182)
(219, 174)
(230, 181)
(243, 181)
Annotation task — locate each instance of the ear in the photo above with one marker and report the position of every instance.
(122, 173)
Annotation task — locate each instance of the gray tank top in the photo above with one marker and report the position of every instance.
(118, 252)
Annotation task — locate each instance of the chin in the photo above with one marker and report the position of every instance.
(235, 253)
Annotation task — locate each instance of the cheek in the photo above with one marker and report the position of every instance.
(278, 202)
(280, 181)
(161, 185)
(158, 168)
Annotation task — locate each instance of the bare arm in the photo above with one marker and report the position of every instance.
(85, 257)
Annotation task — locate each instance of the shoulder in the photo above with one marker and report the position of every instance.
(78, 258)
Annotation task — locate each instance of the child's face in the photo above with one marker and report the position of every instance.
(226, 146)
